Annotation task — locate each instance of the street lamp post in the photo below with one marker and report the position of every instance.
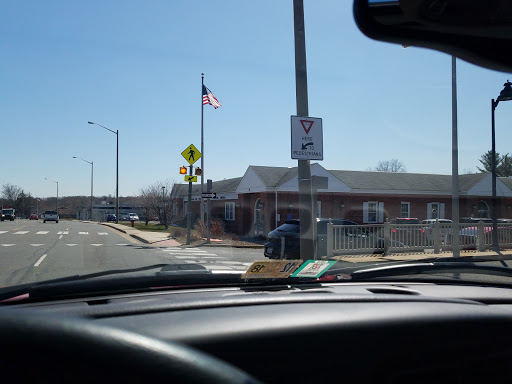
(56, 201)
(116, 132)
(163, 204)
(505, 95)
(92, 177)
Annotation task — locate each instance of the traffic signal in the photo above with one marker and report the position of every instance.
(183, 170)
(199, 172)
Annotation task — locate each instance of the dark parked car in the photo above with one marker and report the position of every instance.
(408, 230)
(111, 217)
(352, 238)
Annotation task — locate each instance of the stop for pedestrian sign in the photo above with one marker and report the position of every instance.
(307, 138)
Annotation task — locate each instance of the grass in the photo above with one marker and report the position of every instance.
(152, 227)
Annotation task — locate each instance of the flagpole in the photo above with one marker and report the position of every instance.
(202, 147)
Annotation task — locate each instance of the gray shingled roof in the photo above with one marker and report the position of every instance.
(357, 180)
(221, 186)
(274, 176)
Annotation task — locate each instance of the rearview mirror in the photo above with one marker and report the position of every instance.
(478, 31)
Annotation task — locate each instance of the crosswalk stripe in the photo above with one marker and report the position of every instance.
(102, 233)
(70, 245)
(83, 233)
(20, 232)
(3, 232)
(36, 245)
(42, 232)
(7, 245)
(96, 245)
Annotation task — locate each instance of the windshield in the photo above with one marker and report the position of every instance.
(171, 133)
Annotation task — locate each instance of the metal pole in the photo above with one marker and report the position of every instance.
(306, 211)
(57, 201)
(202, 147)
(455, 165)
(92, 178)
(117, 176)
(495, 245)
(208, 189)
(189, 206)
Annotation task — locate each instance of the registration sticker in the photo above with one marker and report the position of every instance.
(271, 269)
(313, 268)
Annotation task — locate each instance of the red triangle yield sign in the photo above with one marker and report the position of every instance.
(307, 124)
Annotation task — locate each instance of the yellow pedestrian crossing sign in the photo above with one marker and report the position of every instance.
(191, 179)
(191, 154)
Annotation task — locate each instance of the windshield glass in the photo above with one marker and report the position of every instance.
(171, 133)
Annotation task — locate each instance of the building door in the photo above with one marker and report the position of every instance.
(259, 219)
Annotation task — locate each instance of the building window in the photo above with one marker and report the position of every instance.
(405, 209)
(229, 211)
(373, 212)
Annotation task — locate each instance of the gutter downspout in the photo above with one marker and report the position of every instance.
(275, 191)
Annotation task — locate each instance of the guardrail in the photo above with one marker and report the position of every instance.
(387, 237)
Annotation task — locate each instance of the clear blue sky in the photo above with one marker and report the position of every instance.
(136, 66)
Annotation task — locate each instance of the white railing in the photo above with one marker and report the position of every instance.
(387, 237)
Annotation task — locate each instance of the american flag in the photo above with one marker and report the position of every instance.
(208, 98)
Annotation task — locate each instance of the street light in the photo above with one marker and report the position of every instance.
(92, 173)
(116, 132)
(56, 201)
(505, 95)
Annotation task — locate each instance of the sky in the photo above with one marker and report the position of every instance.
(135, 67)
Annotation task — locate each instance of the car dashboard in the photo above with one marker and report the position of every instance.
(387, 332)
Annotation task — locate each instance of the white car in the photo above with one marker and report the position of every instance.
(133, 216)
(51, 216)
(445, 228)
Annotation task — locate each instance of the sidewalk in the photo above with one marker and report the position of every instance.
(162, 238)
(154, 238)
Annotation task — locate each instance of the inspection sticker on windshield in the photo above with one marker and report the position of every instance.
(271, 269)
(313, 268)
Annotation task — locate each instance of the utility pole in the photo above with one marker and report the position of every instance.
(306, 204)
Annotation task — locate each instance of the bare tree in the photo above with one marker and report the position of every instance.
(159, 199)
(11, 193)
(393, 165)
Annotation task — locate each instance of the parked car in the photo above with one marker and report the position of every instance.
(34, 216)
(445, 229)
(111, 217)
(133, 217)
(408, 230)
(352, 238)
(51, 216)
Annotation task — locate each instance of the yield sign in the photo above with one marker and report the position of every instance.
(307, 125)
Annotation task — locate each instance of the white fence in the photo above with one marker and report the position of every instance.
(388, 238)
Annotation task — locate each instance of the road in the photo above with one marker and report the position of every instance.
(34, 251)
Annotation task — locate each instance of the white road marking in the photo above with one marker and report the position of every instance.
(70, 245)
(103, 233)
(42, 232)
(3, 232)
(83, 233)
(20, 232)
(59, 233)
(122, 245)
(186, 257)
(96, 245)
(66, 233)
(60, 237)
(36, 245)
(7, 245)
(40, 260)
(212, 257)
(184, 250)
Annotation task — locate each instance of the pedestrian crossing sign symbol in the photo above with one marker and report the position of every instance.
(191, 154)
(191, 179)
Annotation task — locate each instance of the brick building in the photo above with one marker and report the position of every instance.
(265, 197)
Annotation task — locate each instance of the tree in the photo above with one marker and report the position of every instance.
(503, 164)
(159, 199)
(11, 193)
(393, 165)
